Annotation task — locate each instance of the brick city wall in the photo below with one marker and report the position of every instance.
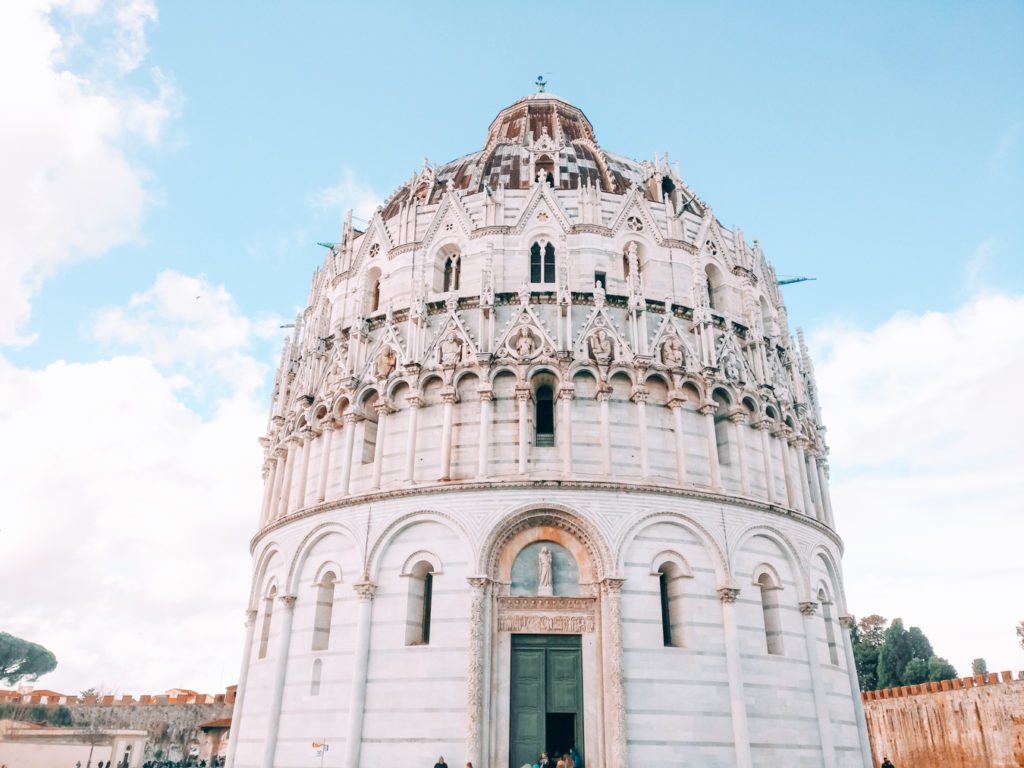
(973, 722)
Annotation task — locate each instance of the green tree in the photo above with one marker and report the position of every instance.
(916, 672)
(894, 655)
(865, 658)
(23, 660)
(871, 629)
(979, 667)
(61, 717)
(39, 714)
(940, 669)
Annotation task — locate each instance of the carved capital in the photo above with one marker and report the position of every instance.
(708, 409)
(639, 394)
(415, 401)
(763, 425)
(365, 590)
(808, 607)
(486, 394)
(847, 622)
(383, 408)
(250, 617)
(604, 394)
(783, 433)
(738, 415)
(478, 584)
(523, 392)
(280, 453)
(449, 396)
(612, 586)
(728, 594)
(288, 601)
(351, 417)
(566, 392)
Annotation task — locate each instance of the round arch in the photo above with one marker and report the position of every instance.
(800, 571)
(306, 546)
(402, 522)
(723, 573)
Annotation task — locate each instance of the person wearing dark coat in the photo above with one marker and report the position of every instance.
(886, 763)
(441, 763)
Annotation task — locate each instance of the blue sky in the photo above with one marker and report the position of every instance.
(156, 153)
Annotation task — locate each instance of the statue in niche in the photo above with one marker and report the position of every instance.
(599, 295)
(544, 587)
(450, 350)
(386, 362)
(672, 352)
(524, 342)
(731, 367)
(601, 347)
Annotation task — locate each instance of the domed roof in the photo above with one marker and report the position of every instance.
(534, 132)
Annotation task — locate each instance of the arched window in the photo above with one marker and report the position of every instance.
(372, 301)
(268, 610)
(770, 608)
(722, 425)
(314, 680)
(830, 633)
(545, 417)
(451, 273)
(421, 587)
(542, 263)
(324, 610)
(670, 588)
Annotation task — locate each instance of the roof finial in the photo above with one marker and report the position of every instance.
(541, 82)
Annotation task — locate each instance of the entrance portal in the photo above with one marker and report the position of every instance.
(547, 697)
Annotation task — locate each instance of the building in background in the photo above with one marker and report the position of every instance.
(545, 468)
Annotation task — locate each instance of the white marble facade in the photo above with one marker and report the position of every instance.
(545, 345)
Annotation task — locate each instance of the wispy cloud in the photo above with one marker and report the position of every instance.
(348, 193)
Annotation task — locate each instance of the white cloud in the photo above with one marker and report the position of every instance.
(925, 426)
(125, 508)
(347, 193)
(186, 324)
(69, 188)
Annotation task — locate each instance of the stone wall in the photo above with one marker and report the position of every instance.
(976, 722)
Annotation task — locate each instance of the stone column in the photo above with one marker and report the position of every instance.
(764, 426)
(346, 459)
(307, 443)
(708, 410)
(477, 673)
(740, 733)
(614, 678)
(286, 486)
(639, 397)
(809, 609)
(243, 676)
(799, 444)
(357, 699)
(383, 408)
(448, 398)
(811, 469)
(566, 393)
(604, 393)
(826, 498)
(858, 705)
(486, 398)
(415, 403)
(783, 435)
(675, 402)
(280, 456)
(280, 670)
(326, 438)
(269, 479)
(738, 420)
(523, 398)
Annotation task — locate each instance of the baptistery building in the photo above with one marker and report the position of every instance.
(544, 470)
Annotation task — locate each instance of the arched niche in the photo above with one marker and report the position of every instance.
(526, 567)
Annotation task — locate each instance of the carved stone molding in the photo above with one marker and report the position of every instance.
(250, 617)
(548, 615)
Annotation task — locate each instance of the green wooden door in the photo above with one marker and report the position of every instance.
(547, 678)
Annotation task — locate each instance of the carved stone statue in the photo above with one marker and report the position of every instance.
(599, 295)
(601, 347)
(672, 353)
(544, 572)
(386, 362)
(524, 342)
(450, 350)
(731, 367)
